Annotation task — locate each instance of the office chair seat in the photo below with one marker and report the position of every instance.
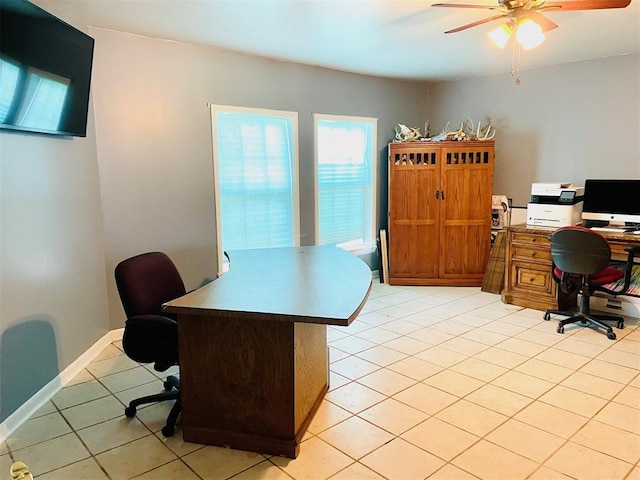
(144, 283)
(580, 263)
(608, 275)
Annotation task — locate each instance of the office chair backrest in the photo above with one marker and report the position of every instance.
(147, 281)
(579, 250)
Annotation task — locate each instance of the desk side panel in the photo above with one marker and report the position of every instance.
(311, 372)
(237, 376)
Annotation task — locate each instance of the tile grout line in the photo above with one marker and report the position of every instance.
(575, 370)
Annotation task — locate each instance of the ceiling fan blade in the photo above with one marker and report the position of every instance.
(584, 5)
(544, 22)
(475, 24)
(465, 5)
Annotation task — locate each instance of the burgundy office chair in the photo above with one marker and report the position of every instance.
(581, 262)
(144, 283)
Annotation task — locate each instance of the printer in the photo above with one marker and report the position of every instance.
(555, 205)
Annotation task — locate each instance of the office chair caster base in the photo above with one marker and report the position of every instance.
(611, 335)
(130, 412)
(547, 316)
(168, 430)
(171, 382)
(560, 329)
(620, 324)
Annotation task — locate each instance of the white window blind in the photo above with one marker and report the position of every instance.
(345, 181)
(255, 163)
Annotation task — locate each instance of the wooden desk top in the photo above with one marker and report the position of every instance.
(321, 284)
(613, 236)
(617, 241)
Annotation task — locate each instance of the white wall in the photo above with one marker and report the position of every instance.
(154, 138)
(53, 303)
(563, 123)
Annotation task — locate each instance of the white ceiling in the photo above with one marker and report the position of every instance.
(389, 38)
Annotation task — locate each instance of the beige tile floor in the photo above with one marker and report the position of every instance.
(428, 382)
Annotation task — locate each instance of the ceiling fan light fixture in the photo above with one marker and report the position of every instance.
(529, 34)
(501, 35)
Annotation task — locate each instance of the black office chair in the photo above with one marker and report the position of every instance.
(144, 283)
(581, 263)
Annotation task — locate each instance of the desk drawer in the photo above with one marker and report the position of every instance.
(530, 239)
(525, 252)
(532, 278)
(528, 279)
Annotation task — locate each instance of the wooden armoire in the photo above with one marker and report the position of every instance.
(440, 212)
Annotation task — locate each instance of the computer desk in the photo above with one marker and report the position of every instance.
(528, 281)
(254, 364)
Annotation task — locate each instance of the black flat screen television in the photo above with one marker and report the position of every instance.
(45, 71)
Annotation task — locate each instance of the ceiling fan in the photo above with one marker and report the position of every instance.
(525, 18)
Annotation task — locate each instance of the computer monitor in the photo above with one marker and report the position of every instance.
(614, 201)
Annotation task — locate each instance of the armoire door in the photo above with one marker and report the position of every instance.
(465, 233)
(414, 213)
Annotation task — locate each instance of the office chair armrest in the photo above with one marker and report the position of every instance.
(633, 249)
(151, 339)
(566, 281)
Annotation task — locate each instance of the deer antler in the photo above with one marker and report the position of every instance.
(487, 132)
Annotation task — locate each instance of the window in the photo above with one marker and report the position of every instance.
(255, 158)
(346, 182)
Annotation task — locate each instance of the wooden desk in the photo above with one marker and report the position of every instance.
(253, 345)
(528, 280)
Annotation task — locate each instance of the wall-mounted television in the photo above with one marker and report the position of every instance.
(45, 71)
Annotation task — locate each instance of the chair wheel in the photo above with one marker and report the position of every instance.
(560, 329)
(611, 335)
(547, 316)
(130, 412)
(167, 386)
(620, 324)
(168, 430)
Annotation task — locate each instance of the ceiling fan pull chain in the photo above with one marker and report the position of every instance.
(515, 62)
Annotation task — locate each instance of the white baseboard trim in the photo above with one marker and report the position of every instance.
(46, 393)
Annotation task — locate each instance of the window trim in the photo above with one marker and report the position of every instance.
(373, 121)
(215, 108)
